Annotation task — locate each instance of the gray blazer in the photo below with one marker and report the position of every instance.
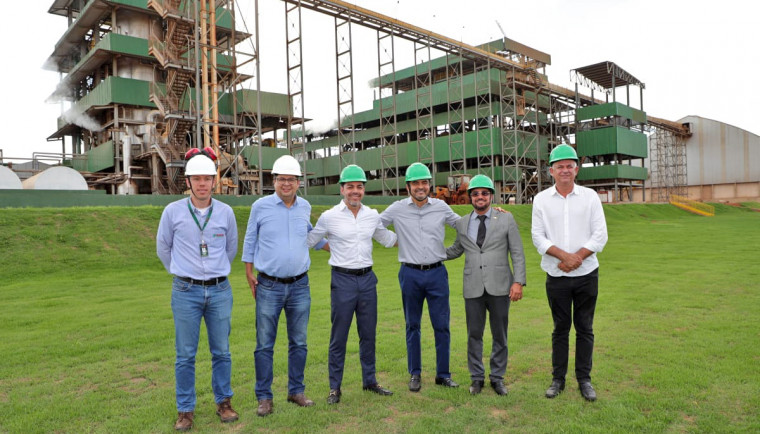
(488, 268)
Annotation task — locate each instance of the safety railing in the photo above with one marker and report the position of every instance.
(692, 205)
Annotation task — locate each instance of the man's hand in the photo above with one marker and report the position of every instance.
(570, 261)
(515, 292)
(251, 278)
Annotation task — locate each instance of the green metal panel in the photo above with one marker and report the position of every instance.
(96, 159)
(440, 62)
(272, 104)
(100, 157)
(611, 140)
(611, 109)
(617, 171)
(268, 155)
(223, 18)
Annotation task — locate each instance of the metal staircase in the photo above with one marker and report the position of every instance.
(172, 50)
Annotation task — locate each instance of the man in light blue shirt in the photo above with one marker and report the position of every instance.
(275, 241)
(197, 241)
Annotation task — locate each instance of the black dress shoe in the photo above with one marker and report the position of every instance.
(555, 389)
(448, 382)
(499, 387)
(476, 387)
(414, 383)
(587, 391)
(380, 390)
(334, 396)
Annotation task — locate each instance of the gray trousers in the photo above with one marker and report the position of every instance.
(498, 313)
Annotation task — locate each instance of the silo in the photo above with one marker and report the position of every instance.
(8, 179)
(56, 178)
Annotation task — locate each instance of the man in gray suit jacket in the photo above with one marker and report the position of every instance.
(487, 238)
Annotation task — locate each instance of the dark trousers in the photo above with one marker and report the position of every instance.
(579, 294)
(416, 287)
(475, 309)
(349, 294)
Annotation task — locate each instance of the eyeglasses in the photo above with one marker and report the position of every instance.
(480, 193)
(287, 180)
(207, 151)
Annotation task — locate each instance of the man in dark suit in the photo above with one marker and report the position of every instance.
(487, 238)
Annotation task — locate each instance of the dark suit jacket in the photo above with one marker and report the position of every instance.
(487, 268)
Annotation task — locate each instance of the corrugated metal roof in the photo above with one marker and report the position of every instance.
(607, 75)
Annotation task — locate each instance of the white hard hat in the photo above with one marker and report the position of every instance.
(286, 165)
(200, 165)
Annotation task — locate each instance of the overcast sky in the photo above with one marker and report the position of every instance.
(695, 57)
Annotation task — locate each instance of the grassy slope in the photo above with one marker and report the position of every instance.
(87, 336)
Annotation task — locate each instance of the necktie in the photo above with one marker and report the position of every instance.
(481, 231)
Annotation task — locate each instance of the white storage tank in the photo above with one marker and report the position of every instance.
(56, 178)
(8, 179)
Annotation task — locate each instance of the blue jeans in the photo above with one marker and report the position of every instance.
(190, 303)
(416, 287)
(271, 298)
(348, 295)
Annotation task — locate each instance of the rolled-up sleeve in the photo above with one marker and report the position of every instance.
(250, 242)
(538, 229)
(164, 240)
(598, 238)
(232, 236)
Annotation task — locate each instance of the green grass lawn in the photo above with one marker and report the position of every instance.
(86, 335)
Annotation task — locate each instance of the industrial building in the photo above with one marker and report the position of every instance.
(148, 79)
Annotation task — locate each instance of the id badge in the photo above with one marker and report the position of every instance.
(204, 249)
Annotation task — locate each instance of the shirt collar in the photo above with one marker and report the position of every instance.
(342, 205)
(409, 201)
(575, 189)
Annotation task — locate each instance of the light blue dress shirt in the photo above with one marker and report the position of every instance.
(275, 239)
(179, 239)
(420, 230)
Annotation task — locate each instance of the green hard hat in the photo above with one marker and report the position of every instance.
(352, 173)
(480, 181)
(562, 152)
(417, 171)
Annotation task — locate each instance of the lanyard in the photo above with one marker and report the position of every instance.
(189, 208)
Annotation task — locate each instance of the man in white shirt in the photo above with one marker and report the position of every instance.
(350, 228)
(568, 230)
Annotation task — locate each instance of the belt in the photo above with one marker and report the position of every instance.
(424, 267)
(283, 279)
(210, 282)
(353, 271)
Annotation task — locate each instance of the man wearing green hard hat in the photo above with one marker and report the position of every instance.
(568, 230)
(488, 239)
(350, 227)
(419, 221)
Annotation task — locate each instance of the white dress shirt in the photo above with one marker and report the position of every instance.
(570, 223)
(351, 237)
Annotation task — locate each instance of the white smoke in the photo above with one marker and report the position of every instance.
(82, 120)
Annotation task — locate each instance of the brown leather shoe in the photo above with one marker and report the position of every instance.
(265, 407)
(225, 411)
(301, 400)
(184, 420)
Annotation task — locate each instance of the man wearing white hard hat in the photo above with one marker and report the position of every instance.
(197, 241)
(275, 244)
